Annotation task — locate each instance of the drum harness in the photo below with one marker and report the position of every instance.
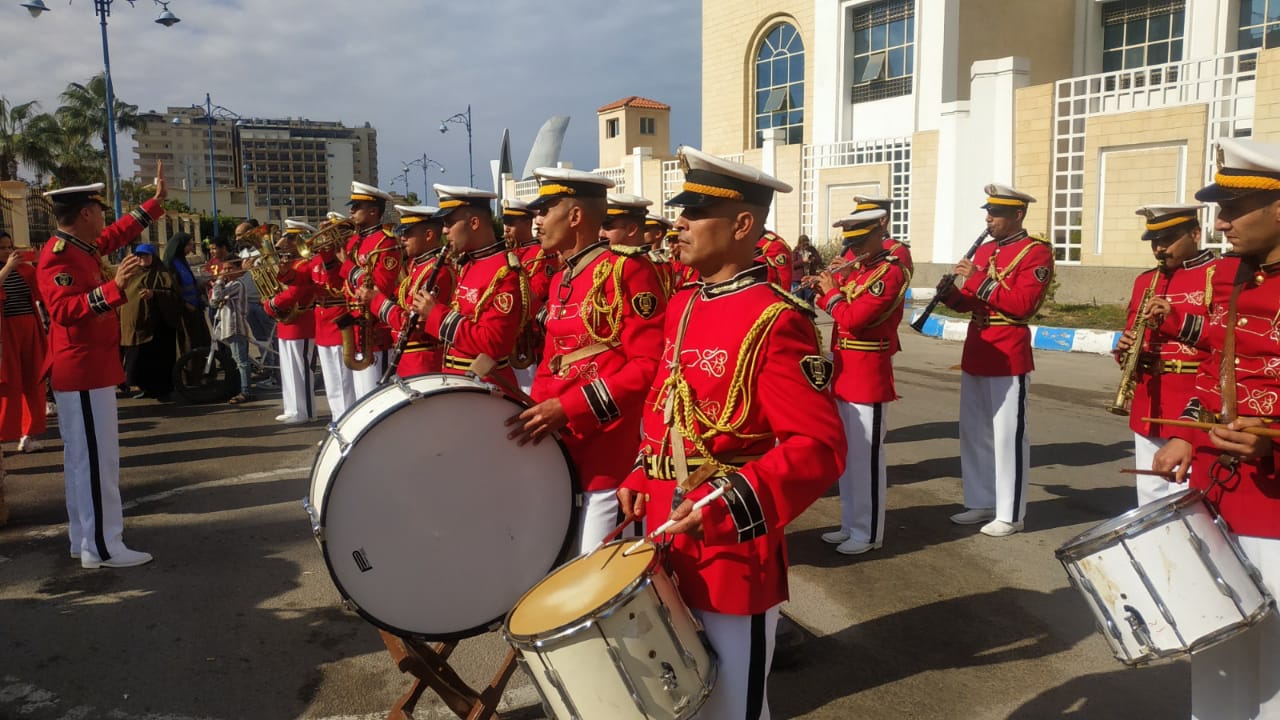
(1225, 471)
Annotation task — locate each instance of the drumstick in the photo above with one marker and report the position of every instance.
(1158, 473)
(1252, 429)
(667, 525)
(483, 365)
(613, 534)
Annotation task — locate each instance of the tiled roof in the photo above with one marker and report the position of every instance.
(635, 101)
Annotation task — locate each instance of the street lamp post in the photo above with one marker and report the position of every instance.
(465, 120)
(248, 209)
(211, 114)
(425, 163)
(103, 9)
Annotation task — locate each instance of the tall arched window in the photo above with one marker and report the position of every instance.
(780, 84)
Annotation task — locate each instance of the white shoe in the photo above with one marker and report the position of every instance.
(282, 417)
(296, 420)
(1000, 528)
(836, 537)
(50, 408)
(856, 547)
(75, 554)
(973, 516)
(29, 444)
(123, 559)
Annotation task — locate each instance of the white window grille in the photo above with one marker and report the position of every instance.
(1224, 83)
(896, 152)
(526, 189)
(617, 174)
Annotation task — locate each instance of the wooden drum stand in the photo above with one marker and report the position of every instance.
(429, 664)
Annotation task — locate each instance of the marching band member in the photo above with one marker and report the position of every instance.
(1002, 287)
(773, 251)
(682, 275)
(624, 222)
(423, 238)
(743, 387)
(294, 313)
(84, 360)
(603, 338)
(1167, 367)
(331, 306)
(539, 265)
(23, 350)
(373, 259)
(1238, 470)
(655, 231)
(866, 305)
(490, 303)
(898, 249)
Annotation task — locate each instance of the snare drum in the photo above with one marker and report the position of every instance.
(609, 637)
(431, 521)
(1165, 579)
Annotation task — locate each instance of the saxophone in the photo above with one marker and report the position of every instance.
(358, 358)
(1129, 375)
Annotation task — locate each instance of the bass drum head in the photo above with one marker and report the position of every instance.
(434, 524)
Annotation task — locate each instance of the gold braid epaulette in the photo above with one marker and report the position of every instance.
(1208, 286)
(852, 293)
(410, 284)
(597, 309)
(686, 414)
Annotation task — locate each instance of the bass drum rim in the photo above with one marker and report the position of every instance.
(347, 600)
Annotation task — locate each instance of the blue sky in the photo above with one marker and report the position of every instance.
(401, 65)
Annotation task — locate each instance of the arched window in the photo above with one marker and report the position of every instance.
(780, 84)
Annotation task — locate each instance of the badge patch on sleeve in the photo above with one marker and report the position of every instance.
(390, 262)
(817, 370)
(645, 304)
(503, 301)
(63, 279)
(877, 288)
(1042, 274)
(780, 260)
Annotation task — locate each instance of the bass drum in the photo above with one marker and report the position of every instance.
(433, 523)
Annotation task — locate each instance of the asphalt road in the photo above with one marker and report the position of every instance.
(238, 617)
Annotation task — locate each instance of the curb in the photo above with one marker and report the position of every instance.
(1098, 342)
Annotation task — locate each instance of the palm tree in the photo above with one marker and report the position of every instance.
(12, 120)
(84, 113)
(50, 149)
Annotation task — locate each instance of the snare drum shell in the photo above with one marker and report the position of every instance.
(612, 664)
(1149, 572)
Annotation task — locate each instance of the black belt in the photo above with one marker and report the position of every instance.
(662, 467)
(421, 347)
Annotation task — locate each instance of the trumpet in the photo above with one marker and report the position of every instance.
(330, 237)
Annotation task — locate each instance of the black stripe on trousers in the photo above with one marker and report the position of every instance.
(756, 676)
(95, 474)
(877, 420)
(1018, 438)
(308, 377)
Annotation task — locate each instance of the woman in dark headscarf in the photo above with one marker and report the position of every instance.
(148, 327)
(193, 330)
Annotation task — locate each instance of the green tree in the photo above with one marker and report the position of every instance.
(13, 118)
(51, 150)
(84, 113)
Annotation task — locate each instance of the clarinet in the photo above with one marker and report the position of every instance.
(402, 342)
(944, 283)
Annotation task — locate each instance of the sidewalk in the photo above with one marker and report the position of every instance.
(1098, 342)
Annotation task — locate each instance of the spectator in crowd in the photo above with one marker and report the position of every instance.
(149, 324)
(231, 324)
(23, 342)
(193, 331)
(7, 271)
(806, 262)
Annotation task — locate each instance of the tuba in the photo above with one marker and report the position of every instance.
(262, 262)
(330, 237)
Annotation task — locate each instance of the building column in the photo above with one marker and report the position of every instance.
(769, 166)
(635, 176)
(17, 217)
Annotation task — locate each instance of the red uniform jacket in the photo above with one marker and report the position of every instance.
(377, 252)
(609, 300)
(539, 266)
(488, 312)
(424, 354)
(330, 297)
(84, 333)
(1167, 371)
(774, 252)
(903, 255)
(1010, 280)
(867, 311)
(1250, 503)
(750, 388)
(300, 292)
(902, 251)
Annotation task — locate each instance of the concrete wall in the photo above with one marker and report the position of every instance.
(731, 35)
(1038, 30)
(924, 192)
(1266, 109)
(1033, 152)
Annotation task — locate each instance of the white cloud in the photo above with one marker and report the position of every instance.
(401, 65)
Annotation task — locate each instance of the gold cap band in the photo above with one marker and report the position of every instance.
(1247, 182)
(1171, 222)
(858, 232)
(713, 191)
(1009, 202)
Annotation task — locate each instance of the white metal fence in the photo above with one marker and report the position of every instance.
(896, 152)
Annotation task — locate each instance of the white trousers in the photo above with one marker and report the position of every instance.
(1239, 679)
(90, 430)
(366, 380)
(597, 517)
(744, 644)
(339, 388)
(524, 377)
(863, 483)
(297, 384)
(1150, 487)
(995, 452)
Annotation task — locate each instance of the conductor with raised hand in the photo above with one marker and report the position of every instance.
(84, 360)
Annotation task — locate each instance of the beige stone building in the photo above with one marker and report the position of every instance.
(1093, 106)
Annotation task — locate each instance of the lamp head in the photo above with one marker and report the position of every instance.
(177, 121)
(167, 18)
(35, 7)
(444, 128)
